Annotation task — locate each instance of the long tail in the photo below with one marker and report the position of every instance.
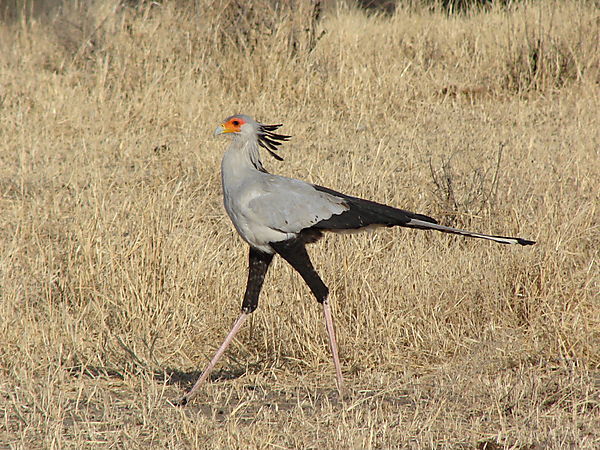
(416, 223)
(366, 214)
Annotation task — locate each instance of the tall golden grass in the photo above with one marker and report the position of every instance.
(120, 272)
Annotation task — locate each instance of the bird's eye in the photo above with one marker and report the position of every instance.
(236, 122)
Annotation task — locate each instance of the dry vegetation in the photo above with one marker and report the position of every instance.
(120, 272)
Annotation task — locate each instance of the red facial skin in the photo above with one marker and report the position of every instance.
(233, 125)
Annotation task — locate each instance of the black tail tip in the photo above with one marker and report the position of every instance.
(525, 242)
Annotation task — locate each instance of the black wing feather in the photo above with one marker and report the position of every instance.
(363, 213)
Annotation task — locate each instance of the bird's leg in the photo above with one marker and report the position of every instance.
(294, 252)
(333, 344)
(258, 263)
(213, 362)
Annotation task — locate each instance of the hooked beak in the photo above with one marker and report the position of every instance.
(220, 130)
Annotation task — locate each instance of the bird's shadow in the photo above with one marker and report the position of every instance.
(168, 376)
(186, 379)
(278, 399)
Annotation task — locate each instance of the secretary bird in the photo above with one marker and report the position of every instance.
(275, 214)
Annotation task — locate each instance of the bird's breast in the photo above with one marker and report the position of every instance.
(237, 196)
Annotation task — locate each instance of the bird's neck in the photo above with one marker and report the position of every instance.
(241, 159)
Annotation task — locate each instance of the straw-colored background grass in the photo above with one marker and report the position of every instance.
(120, 272)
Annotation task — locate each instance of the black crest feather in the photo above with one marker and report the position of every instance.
(270, 141)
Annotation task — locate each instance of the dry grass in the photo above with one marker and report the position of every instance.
(120, 272)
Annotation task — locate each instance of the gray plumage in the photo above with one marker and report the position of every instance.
(266, 208)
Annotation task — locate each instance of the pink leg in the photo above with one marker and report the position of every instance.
(192, 393)
(333, 344)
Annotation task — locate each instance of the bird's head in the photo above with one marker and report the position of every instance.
(246, 127)
(238, 124)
